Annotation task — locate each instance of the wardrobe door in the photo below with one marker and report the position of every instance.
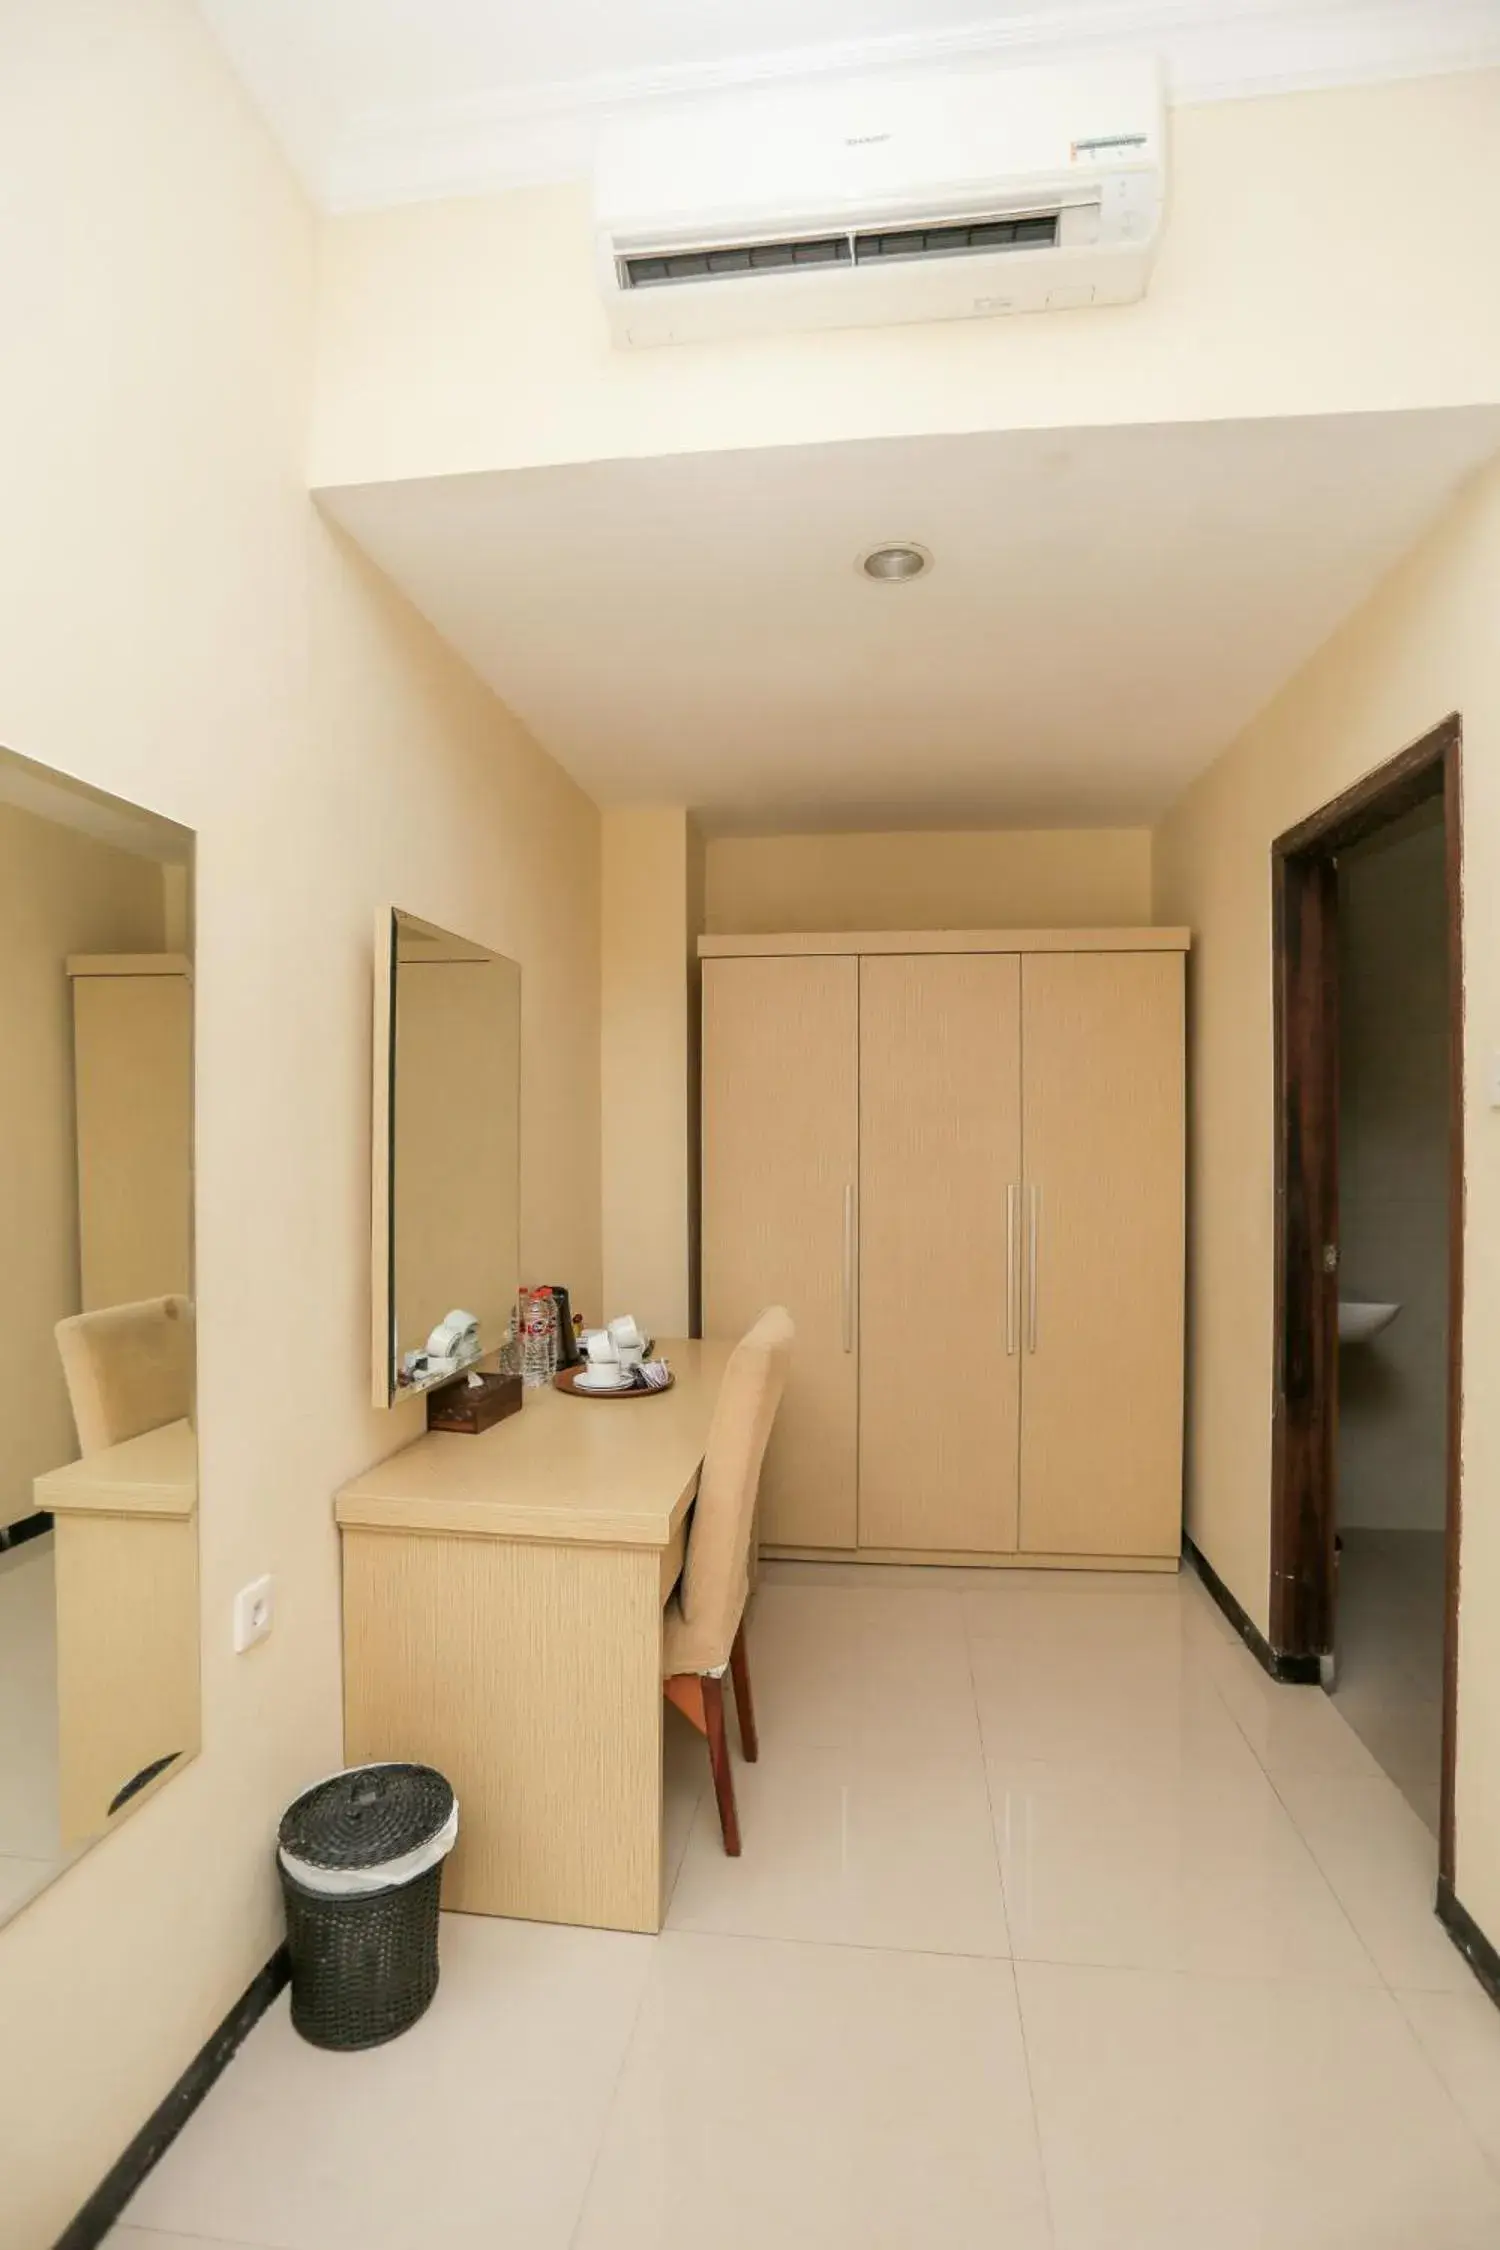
(133, 1072)
(940, 1166)
(780, 1157)
(1102, 1104)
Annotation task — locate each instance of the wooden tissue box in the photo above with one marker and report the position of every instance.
(466, 1409)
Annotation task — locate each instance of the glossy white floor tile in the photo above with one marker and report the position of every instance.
(1390, 1604)
(685, 1776)
(1182, 2112)
(1080, 1694)
(1460, 2034)
(479, 2126)
(1407, 1744)
(852, 1847)
(1390, 1672)
(1005, 1601)
(1292, 1730)
(866, 1667)
(149, 2238)
(1381, 1858)
(1193, 1868)
(819, 2098)
(1232, 2022)
(21, 1879)
(884, 1577)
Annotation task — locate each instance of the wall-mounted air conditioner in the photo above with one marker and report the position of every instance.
(945, 197)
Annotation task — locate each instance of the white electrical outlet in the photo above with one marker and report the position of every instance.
(254, 1612)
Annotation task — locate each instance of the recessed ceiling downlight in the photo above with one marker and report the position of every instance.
(895, 561)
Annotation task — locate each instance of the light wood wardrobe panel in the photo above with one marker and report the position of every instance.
(1102, 1077)
(133, 1066)
(780, 1172)
(940, 1166)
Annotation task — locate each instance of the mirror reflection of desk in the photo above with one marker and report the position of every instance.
(127, 1621)
(502, 1622)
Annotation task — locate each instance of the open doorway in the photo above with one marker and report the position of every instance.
(1369, 1206)
(1391, 1487)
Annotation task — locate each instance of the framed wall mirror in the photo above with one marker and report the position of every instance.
(445, 1238)
(99, 1610)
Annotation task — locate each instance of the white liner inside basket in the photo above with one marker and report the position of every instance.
(354, 1882)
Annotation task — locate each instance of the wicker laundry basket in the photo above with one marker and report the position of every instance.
(361, 1861)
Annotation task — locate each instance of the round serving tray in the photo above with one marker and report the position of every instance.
(566, 1379)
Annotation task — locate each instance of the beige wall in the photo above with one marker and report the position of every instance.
(1393, 1173)
(697, 923)
(469, 335)
(645, 1068)
(178, 626)
(950, 880)
(1424, 645)
(60, 893)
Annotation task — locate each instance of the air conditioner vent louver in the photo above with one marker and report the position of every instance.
(1033, 230)
(1037, 231)
(736, 260)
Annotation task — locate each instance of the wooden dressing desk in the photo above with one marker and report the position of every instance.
(502, 1622)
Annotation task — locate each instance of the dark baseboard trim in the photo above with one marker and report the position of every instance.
(1469, 1938)
(1292, 1671)
(161, 2129)
(27, 1527)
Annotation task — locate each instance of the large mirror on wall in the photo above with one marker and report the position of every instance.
(99, 1613)
(446, 1251)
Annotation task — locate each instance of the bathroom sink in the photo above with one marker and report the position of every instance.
(1359, 1322)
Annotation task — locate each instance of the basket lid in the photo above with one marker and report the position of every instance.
(366, 1818)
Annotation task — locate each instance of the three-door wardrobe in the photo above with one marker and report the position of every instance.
(958, 1158)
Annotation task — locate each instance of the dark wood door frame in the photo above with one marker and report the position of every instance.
(1304, 1405)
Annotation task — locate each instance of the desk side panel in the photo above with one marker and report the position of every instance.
(531, 1676)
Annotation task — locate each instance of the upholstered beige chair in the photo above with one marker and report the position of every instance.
(704, 1620)
(128, 1368)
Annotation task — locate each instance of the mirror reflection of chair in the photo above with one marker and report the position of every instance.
(128, 1368)
(704, 1631)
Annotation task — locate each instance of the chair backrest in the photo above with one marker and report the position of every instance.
(715, 1577)
(128, 1368)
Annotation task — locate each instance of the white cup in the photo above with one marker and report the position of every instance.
(629, 1343)
(605, 1371)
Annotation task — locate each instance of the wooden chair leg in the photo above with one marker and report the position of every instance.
(718, 1758)
(744, 1702)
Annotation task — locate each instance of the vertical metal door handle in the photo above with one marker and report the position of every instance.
(1033, 1231)
(1010, 1271)
(848, 1301)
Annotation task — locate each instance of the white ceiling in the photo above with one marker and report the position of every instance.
(382, 101)
(1108, 607)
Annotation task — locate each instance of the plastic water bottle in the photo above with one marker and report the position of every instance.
(539, 1343)
(510, 1349)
